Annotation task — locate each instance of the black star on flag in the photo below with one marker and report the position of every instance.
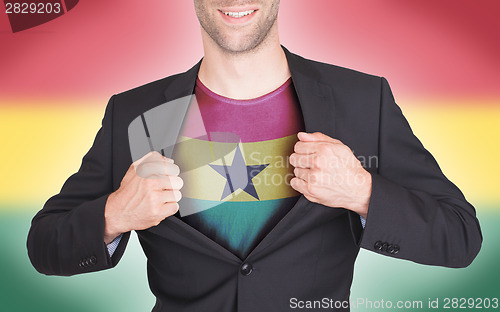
(239, 175)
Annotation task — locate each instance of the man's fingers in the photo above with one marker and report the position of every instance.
(302, 173)
(313, 147)
(316, 137)
(172, 183)
(301, 186)
(152, 156)
(311, 176)
(298, 184)
(171, 196)
(302, 147)
(165, 183)
(171, 208)
(172, 169)
(157, 169)
(302, 161)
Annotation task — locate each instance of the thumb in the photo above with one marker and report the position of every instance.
(316, 137)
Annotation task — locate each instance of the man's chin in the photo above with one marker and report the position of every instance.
(239, 46)
(238, 50)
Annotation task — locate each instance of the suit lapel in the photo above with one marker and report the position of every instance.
(183, 84)
(317, 106)
(315, 98)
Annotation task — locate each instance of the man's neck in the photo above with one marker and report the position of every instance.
(244, 76)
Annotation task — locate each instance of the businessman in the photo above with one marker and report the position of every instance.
(267, 194)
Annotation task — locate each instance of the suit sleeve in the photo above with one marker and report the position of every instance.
(67, 236)
(415, 212)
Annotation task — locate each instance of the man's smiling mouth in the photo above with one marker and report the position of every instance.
(239, 14)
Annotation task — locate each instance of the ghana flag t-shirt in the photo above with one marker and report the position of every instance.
(233, 157)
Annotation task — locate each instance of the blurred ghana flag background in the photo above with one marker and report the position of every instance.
(440, 57)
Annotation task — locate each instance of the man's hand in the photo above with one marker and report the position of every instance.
(327, 172)
(148, 193)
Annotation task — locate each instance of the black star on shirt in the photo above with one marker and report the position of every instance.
(239, 175)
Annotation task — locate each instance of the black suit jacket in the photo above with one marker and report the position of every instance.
(415, 212)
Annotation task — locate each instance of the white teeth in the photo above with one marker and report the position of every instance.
(239, 14)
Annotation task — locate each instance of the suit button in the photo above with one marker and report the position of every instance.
(390, 249)
(396, 249)
(246, 269)
(87, 262)
(378, 245)
(384, 246)
(93, 260)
